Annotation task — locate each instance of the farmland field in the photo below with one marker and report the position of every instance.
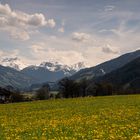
(103, 118)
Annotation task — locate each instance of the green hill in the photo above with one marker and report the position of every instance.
(9, 76)
(126, 76)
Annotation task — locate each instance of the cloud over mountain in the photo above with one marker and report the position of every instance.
(91, 31)
(18, 23)
(80, 37)
(109, 49)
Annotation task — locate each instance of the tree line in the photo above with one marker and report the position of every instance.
(69, 88)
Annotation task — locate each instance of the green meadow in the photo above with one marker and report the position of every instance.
(99, 118)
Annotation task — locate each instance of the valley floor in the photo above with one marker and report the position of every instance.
(112, 117)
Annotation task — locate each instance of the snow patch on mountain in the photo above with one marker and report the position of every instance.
(14, 63)
(103, 72)
(51, 65)
(56, 66)
(78, 66)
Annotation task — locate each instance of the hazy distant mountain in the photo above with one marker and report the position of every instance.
(56, 66)
(106, 67)
(52, 71)
(14, 63)
(126, 76)
(9, 76)
(15, 73)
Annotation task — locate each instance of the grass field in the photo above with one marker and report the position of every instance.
(103, 118)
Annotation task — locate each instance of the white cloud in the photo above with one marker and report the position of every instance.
(109, 8)
(22, 35)
(55, 49)
(20, 22)
(36, 20)
(51, 23)
(62, 30)
(85, 44)
(96, 56)
(38, 48)
(80, 37)
(125, 38)
(63, 22)
(41, 52)
(18, 18)
(109, 49)
(5, 9)
(64, 56)
(9, 53)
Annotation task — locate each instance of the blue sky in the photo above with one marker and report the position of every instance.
(68, 31)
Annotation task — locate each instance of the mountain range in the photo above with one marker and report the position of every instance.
(17, 74)
(128, 76)
(52, 71)
(106, 67)
(14, 63)
(49, 71)
(14, 78)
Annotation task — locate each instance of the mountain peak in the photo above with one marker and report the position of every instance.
(52, 70)
(78, 66)
(51, 65)
(56, 66)
(14, 63)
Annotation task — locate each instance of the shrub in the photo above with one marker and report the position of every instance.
(43, 93)
(17, 97)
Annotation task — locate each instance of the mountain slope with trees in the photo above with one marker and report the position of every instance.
(106, 67)
(52, 71)
(14, 78)
(124, 80)
(126, 77)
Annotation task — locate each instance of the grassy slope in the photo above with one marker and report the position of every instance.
(115, 117)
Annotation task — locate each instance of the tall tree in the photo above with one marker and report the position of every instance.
(44, 92)
(68, 88)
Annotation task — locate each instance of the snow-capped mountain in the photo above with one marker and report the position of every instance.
(14, 63)
(56, 66)
(78, 66)
(51, 65)
(46, 71)
(52, 71)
